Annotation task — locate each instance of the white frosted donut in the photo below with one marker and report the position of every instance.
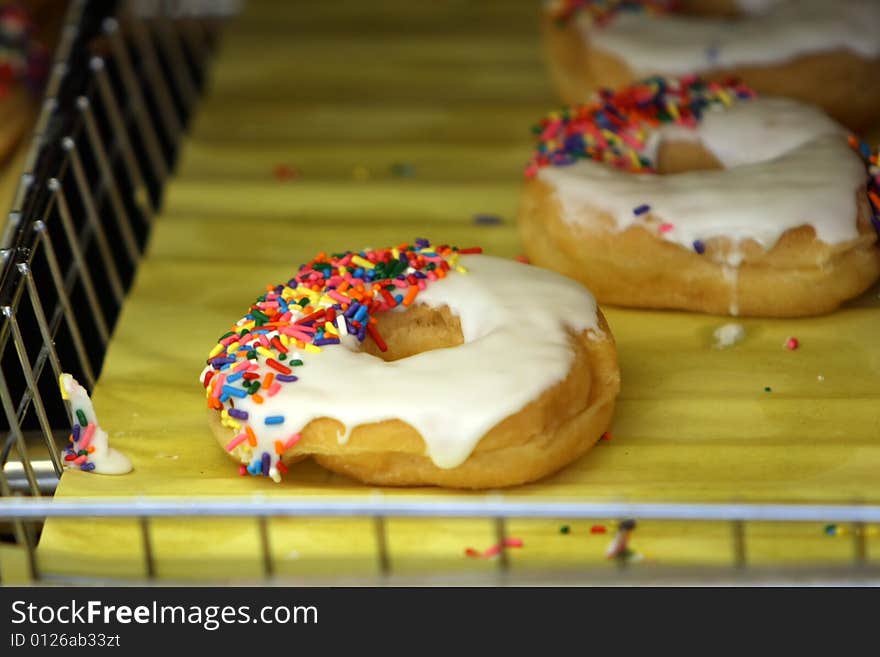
(822, 52)
(786, 206)
(451, 395)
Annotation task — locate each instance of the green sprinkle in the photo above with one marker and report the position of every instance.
(768, 389)
(255, 386)
(83, 421)
(225, 335)
(83, 452)
(303, 302)
(296, 362)
(565, 529)
(282, 356)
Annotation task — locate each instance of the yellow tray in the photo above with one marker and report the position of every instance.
(451, 91)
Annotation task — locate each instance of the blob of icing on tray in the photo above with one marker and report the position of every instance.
(89, 445)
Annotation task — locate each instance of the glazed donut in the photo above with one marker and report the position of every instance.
(820, 52)
(682, 194)
(415, 365)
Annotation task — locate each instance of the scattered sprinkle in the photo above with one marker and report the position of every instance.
(607, 436)
(598, 529)
(768, 389)
(642, 209)
(493, 550)
(791, 344)
(699, 247)
(565, 529)
(523, 259)
(284, 172)
(403, 170)
(488, 220)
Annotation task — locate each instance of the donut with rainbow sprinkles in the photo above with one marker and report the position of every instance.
(820, 52)
(702, 196)
(415, 365)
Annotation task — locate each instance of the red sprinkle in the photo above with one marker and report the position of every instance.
(275, 365)
(377, 338)
(606, 436)
(598, 529)
(285, 172)
(792, 343)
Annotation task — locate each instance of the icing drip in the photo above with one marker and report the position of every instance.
(777, 32)
(451, 396)
(89, 445)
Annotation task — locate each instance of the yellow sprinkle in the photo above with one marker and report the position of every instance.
(635, 160)
(216, 350)
(461, 269)
(285, 339)
(64, 394)
(396, 253)
(232, 347)
(343, 271)
(312, 349)
(672, 109)
(363, 262)
(265, 352)
(725, 97)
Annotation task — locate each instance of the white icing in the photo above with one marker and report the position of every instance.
(105, 459)
(789, 166)
(778, 32)
(512, 352)
(728, 335)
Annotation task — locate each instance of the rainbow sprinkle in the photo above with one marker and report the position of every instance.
(613, 128)
(602, 11)
(872, 162)
(79, 447)
(329, 298)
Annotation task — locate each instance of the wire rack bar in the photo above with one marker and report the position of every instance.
(434, 508)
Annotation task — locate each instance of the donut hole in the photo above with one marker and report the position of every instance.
(682, 156)
(413, 331)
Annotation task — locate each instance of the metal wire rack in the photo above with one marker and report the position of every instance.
(124, 84)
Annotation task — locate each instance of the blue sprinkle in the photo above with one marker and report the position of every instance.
(265, 464)
(361, 313)
(224, 398)
(75, 432)
(642, 209)
(88, 467)
(699, 247)
(398, 298)
(232, 378)
(287, 378)
(487, 219)
(235, 392)
(274, 419)
(241, 415)
(324, 341)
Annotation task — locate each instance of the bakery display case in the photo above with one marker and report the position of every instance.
(187, 153)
